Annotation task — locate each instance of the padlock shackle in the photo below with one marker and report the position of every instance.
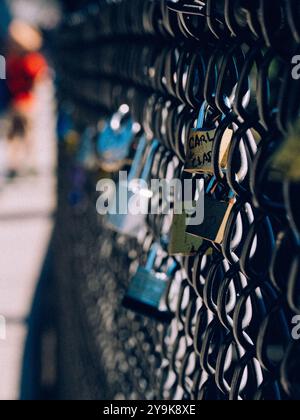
(152, 257)
(136, 164)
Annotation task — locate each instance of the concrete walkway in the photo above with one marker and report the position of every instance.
(26, 223)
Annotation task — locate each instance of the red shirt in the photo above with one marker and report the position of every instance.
(22, 72)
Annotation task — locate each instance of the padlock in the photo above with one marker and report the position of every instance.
(124, 221)
(216, 215)
(147, 289)
(115, 140)
(199, 145)
(181, 242)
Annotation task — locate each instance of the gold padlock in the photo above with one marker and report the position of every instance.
(181, 242)
(200, 142)
(216, 215)
(199, 149)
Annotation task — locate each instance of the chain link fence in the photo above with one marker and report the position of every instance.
(209, 88)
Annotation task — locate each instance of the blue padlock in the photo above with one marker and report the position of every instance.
(115, 140)
(147, 289)
(127, 223)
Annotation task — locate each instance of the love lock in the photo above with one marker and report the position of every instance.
(181, 242)
(115, 140)
(148, 287)
(216, 215)
(123, 220)
(199, 146)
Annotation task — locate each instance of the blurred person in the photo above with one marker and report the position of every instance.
(25, 67)
(5, 19)
(4, 105)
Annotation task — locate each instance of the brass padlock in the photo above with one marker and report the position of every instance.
(181, 243)
(216, 215)
(199, 146)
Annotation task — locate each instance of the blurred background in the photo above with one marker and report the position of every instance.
(126, 72)
(27, 195)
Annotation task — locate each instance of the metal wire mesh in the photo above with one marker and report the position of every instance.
(233, 301)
